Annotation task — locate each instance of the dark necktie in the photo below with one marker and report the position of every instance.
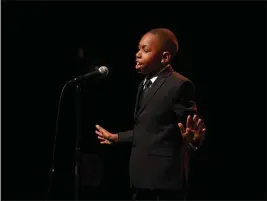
(147, 85)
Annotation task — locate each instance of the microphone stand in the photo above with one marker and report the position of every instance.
(77, 144)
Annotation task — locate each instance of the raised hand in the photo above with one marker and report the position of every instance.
(195, 129)
(105, 136)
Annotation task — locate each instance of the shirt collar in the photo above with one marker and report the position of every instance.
(153, 79)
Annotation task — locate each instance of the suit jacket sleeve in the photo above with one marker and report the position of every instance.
(126, 136)
(184, 102)
(185, 105)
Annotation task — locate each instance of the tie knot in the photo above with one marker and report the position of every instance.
(148, 83)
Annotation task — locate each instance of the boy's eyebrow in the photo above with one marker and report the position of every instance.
(144, 45)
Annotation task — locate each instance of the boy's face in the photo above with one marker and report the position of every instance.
(149, 55)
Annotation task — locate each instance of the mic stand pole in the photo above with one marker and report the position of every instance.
(77, 145)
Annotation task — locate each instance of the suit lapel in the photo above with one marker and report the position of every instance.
(152, 91)
(138, 97)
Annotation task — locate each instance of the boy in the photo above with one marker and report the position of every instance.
(164, 98)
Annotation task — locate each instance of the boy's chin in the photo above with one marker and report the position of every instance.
(142, 70)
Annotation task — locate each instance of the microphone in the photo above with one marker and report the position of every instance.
(103, 70)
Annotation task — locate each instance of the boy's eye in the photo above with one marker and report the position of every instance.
(145, 50)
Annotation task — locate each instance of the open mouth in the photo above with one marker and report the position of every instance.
(138, 65)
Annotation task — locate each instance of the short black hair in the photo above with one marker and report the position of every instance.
(168, 39)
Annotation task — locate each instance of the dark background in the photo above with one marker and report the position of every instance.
(222, 47)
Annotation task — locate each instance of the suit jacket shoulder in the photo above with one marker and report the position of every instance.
(179, 79)
(180, 85)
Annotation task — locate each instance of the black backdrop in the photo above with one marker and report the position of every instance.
(40, 53)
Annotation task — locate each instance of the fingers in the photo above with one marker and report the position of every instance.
(201, 130)
(200, 135)
(196, 126)
(189, 122)
(98, 133)
(105, 142)
(102, 135)
(101, 138)
(199, 122)
(194, 122)
(101, 131)
(100, 128)
(199, 125)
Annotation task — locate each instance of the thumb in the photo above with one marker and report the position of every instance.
(182, 129)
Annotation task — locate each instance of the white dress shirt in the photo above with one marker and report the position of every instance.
(153, 79)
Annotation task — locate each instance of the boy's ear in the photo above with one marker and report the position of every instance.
(166, 57)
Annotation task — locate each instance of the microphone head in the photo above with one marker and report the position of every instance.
(103, 70)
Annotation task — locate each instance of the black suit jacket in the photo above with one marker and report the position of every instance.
(156, 156)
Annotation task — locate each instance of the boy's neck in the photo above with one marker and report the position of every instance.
(158, 71)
